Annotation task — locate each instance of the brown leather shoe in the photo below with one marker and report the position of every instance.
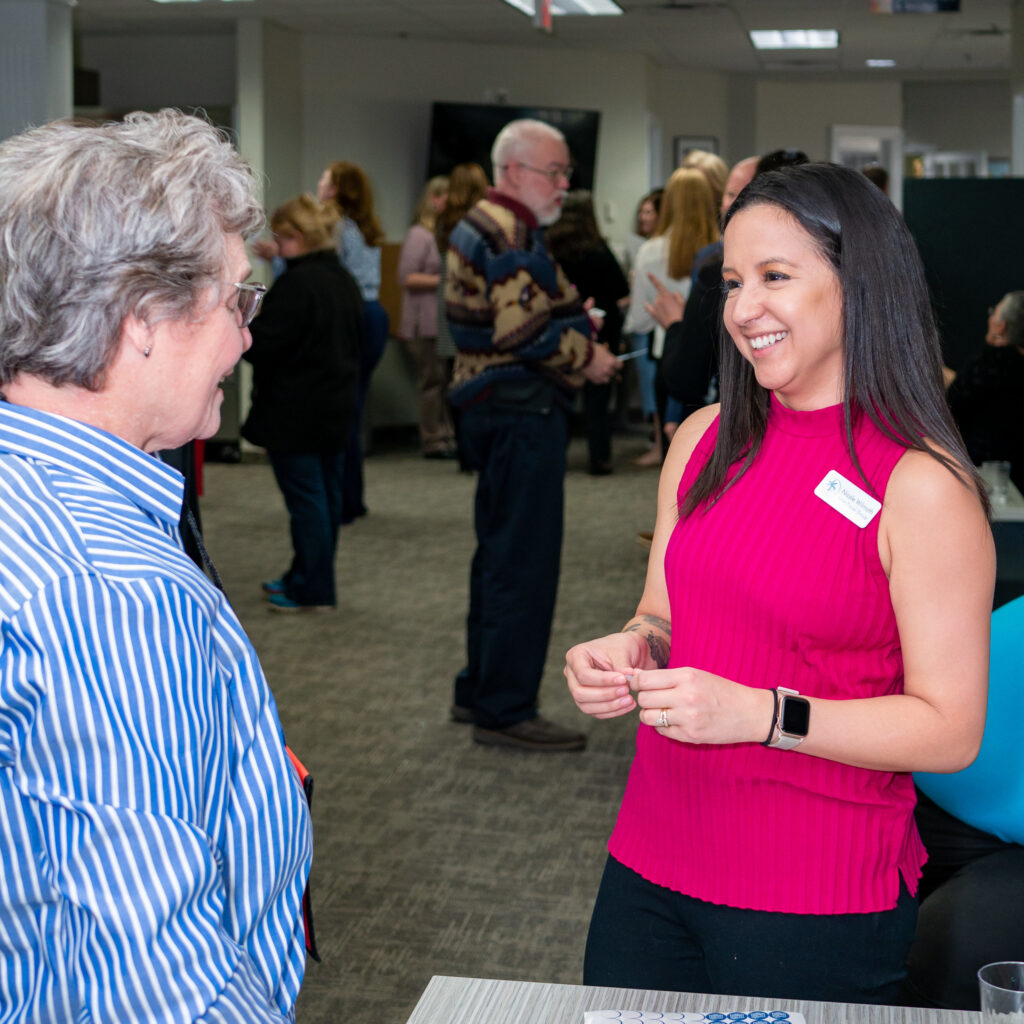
(533, 734)
(461, 714)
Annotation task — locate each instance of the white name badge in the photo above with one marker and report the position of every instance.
(847, 499)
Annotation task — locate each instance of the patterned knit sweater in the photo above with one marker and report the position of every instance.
(512, 311)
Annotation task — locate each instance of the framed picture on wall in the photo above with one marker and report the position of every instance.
(682, 144)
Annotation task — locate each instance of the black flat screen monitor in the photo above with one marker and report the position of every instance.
(464, 133)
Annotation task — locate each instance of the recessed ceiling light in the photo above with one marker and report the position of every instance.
(795, 39)
(880, 62)
(559, 7)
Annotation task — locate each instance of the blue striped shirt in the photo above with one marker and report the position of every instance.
(154, 839)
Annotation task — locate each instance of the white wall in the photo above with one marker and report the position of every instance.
(35, 64)
(282, 124)
(140, 71)
(797, 114)
(379, 119)
(326, 97)
(958, 116)
(692, 103)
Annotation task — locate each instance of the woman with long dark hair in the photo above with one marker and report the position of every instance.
(576, 243)
(814, 625)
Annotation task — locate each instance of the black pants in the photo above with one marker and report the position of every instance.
(972, 910)
(371, 347)
(520, 456)
(596, 398)
(646, 936)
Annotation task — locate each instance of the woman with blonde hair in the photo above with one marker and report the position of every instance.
(305, 360)
(419, 274)
(688, 221)
(713, 167)
(346, 187)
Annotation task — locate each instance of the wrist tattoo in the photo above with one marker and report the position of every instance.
(657, 644)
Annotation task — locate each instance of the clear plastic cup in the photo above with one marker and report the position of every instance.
(1001, 987)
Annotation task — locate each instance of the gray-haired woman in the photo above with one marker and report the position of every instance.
(155, 840)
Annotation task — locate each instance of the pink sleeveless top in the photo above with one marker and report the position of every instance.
(774, 587)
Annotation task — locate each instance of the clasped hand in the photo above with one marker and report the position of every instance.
(606, 679)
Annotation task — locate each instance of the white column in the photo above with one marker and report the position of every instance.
(249, 91)
(35, 63)
(1017, 84)
(250, 125)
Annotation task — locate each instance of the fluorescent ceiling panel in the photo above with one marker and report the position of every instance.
(795, 39)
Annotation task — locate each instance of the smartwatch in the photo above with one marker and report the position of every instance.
(792, 720)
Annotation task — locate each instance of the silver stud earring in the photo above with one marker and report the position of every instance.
(146, 351)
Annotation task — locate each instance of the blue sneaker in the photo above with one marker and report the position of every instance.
(283, 603)
(272, 586)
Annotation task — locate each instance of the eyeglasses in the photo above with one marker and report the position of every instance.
(551, 173)
(250, 298)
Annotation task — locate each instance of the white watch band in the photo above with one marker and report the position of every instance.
(781, 740)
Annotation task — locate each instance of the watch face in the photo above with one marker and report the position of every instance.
(796, 716)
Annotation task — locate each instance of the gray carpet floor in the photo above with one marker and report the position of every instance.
(434, 855)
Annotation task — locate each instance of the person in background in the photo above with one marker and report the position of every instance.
(645, 224)
(688, 222)
(359, 237)
(877, 175)
(525, 346)
(576, 244)
(644, 227)
(419, 274)
(779, 158)
(713, 167)
(689, 363)
(987, 395)
(305, 360)
(467, 185)
(814, 626)
(740, 175)
(155, 839)
(716, 170)
(972, 824)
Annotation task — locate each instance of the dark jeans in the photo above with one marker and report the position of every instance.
(596, 398)
(972, 910)
(646, 936)
(520, 456)
(371, 347)
(311, 484)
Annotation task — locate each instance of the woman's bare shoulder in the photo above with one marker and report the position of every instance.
(919, 481)
(690, 431)
(684, 441)
(929, 508)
